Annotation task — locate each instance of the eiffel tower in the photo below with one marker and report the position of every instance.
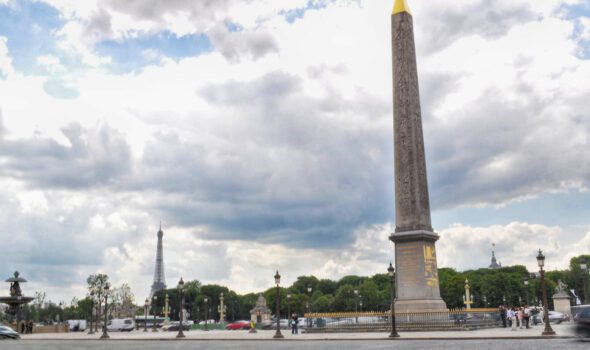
(159, 278)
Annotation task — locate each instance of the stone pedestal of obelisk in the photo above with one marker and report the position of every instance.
(417, 286)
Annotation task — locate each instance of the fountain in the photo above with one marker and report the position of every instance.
(15, 300)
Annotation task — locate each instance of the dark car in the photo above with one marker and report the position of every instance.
(8, 333)
(583, 323)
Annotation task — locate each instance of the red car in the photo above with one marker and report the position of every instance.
(238, 325)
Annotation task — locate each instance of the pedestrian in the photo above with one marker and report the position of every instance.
(512, 315)
(295, 324)
(527, 316)
(503, 315)
(520, 315)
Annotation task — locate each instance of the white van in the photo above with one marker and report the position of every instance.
(121, 325)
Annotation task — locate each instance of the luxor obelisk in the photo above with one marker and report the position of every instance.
(415, 254)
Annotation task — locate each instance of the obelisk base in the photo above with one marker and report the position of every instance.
(417, 286)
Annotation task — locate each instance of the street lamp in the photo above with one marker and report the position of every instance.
(541, 261)
(181, 292)
(467, 298)
(391, 273)
(584, 268)
(154, 299)
(309, 322)
(356, 293)
(485, 301)
(278, 334)
(206, 300)
(145, 312)
(91, 331)
(105, 334)
(289, 309)
(526, 289)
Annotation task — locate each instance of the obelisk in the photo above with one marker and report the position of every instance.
(417, 286)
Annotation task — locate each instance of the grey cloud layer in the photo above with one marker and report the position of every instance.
(94, 157)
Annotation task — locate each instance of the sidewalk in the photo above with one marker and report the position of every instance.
(562, 330)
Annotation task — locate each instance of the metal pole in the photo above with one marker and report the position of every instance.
(206, 314)
(548, 330)
(394, 333)
(180, 332)
(278, 334)
(586, 301)
(91, 331)
(154, 328)
(105, 334)
(145, 311)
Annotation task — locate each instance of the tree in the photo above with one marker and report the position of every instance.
(97, 283)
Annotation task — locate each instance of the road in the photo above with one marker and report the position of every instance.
(533, 344)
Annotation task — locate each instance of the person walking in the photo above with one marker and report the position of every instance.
(294, 324)
(527, 316)
(520, 315)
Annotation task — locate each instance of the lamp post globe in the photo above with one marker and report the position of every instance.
(105, 334)
(391, 274)
(181, 311)
(278, 334)
(548, 331)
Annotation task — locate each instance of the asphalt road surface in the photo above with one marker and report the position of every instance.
(533, 344)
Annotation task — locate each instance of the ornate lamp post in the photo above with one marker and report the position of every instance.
(467, 298)
(541, 261)
(584, 268)
(145, 312)
(206, 313)
(222, 309)
(278, 334)
(154, 299)
(105, 334)
(289, 309)
(181, 292)
(91, 331)
(391, 273)
(309, 290)
(485, 301)
(356, 294)
(361, 305)
(526, 290)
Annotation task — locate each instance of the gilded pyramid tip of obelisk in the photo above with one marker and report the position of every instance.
(401, 6)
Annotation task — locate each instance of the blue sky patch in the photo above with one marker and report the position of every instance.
(132, 54)
(298, 13)
(58, 88)
(30, 28)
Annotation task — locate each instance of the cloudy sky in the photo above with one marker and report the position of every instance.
(260, 133)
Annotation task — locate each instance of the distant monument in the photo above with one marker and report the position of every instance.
(159, 278)
(561, 299)
(260, 313)
(494, 265)
(415, 253)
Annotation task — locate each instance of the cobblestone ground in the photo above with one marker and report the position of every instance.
(535, 344)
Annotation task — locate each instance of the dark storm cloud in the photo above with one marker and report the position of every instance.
(487, 18)
(94, 157)
(289, 170)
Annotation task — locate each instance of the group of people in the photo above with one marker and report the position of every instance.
(26, 327)
(518, 316)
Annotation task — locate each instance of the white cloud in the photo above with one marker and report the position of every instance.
(5, 59)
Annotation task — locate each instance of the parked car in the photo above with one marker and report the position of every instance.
(175, 326)
(8, 333)
(273, 324)
(554, 317)
(208, 322)
(238, 325)
(583, 324)
(121, 325)
(77, 325)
